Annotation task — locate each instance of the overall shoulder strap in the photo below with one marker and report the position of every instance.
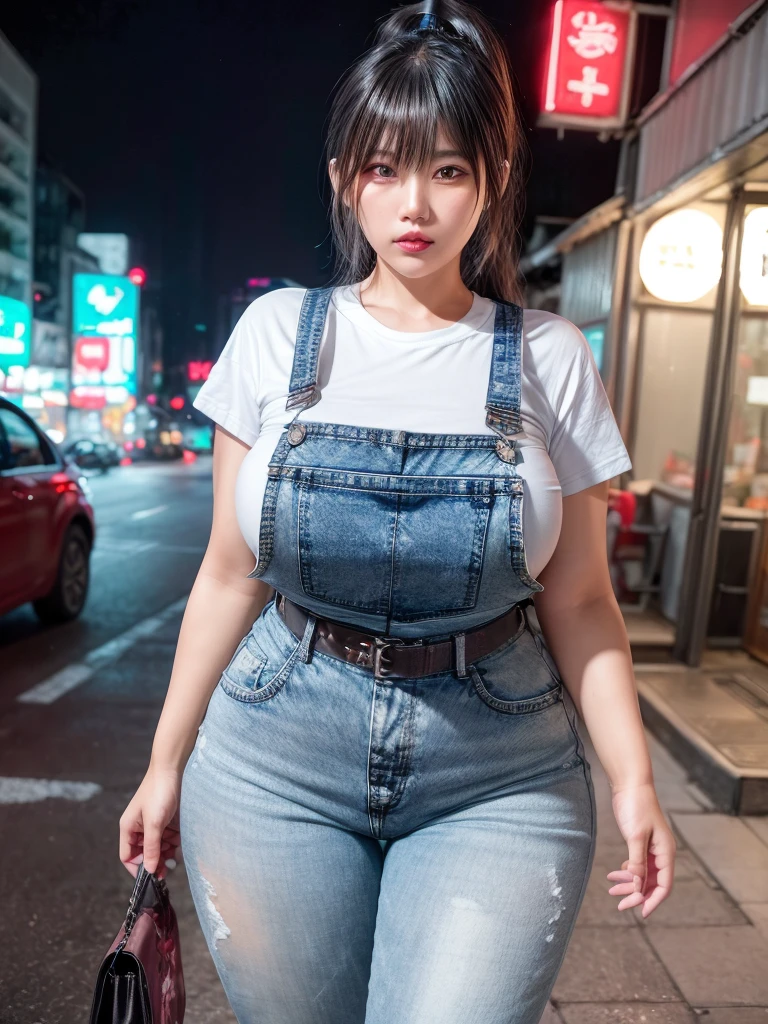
(504, 387)
(303, 390)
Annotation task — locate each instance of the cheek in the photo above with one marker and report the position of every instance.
(376, 209)
(459, 209)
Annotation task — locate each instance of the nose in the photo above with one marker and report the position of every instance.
(414, 200)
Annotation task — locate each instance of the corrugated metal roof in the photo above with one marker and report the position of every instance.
(723, 104)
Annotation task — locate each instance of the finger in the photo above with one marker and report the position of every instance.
(662, 887)
(619, 876)
(622, 889)
(633, 900)
(129, 838)
(638, 859)
(152, 844)
(654, 899)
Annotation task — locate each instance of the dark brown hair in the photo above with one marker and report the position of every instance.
(398, 92)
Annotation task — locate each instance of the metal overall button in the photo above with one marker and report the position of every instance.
(296, 433)
(505, 450)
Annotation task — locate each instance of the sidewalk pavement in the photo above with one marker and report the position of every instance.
(702, 955)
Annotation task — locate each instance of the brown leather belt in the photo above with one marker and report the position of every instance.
(395, 657)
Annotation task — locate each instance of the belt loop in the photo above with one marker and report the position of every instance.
(460, 651)
(305, 647)
(523, 605)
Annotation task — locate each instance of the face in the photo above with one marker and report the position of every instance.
(441, 201)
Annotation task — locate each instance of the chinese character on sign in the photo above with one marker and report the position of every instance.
(588, 86)
(588, 69)
(595, 38)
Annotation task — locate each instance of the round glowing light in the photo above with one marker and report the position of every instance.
(138, 276)
(753, 268)
(681, 258)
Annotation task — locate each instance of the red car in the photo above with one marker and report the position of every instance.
(47, 525)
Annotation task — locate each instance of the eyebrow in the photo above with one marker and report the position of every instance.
(438, 153)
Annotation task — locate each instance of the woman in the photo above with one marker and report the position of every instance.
(368, 748)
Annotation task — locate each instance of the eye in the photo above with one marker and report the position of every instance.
(379, 168)
(453, 177)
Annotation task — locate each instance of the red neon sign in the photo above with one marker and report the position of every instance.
(199, 369)
(85, 397)
(92, 354)
(587, 56)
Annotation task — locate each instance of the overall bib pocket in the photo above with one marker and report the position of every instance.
(411, 547)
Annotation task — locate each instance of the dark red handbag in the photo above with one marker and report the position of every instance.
(140, 980)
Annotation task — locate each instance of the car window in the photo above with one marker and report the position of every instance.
(24, 447)
(3, 449)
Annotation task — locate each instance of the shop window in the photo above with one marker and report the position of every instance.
(675, 349)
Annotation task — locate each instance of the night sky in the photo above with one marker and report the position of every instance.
(197, 127)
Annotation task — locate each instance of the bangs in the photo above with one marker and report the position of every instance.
(406, 102)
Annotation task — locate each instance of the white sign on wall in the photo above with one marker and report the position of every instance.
(681, 258)
(753, 268)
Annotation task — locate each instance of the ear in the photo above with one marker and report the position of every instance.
(333, 174)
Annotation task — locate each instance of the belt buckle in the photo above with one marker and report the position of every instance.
(375, 653)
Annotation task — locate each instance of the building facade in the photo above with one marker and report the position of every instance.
(18, 132)
(672, 273)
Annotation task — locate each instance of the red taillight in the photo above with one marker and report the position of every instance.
(188, 456)
(128, 445)
(62, 482)
(126, 461)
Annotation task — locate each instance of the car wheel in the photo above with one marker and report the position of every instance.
(65, 601)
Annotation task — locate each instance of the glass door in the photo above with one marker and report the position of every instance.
(745, 473)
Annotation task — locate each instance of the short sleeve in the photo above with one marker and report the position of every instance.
(586, 446)
(229, 396)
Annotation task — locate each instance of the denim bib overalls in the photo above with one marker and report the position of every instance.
(366, 850)
(398, 533)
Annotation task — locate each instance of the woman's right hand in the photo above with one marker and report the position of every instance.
(149, 825)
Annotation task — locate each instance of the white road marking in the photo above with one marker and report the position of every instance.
(121, 548)
(144, 513)
(78, 672)
(30, 791)
(124, 547)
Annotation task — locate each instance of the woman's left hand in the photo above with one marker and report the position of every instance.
(646, 876)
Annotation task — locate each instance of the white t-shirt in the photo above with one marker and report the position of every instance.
(420, 381)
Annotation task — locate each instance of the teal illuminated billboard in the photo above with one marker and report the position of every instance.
(105, 312)
(15, 333)
(595, 335)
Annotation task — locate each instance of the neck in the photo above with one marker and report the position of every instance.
(441, 296)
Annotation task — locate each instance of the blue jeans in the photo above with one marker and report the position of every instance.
(392, 851)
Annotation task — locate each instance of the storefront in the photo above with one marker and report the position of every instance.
(694, 323)
(672, 275)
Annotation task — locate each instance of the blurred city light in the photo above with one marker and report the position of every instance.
(137, 276)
